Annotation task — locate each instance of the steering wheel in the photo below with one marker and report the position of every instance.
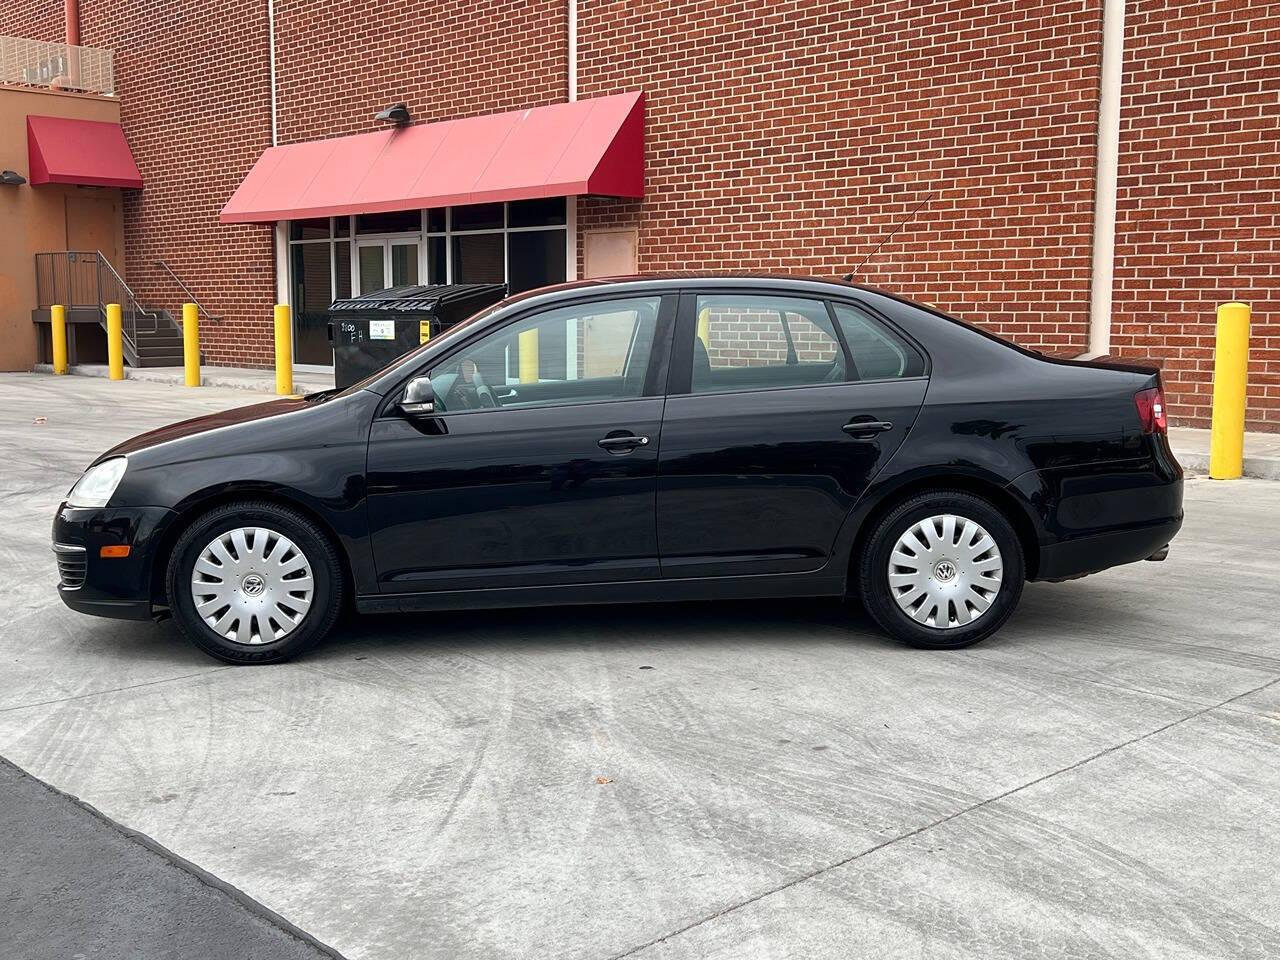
(483, 394)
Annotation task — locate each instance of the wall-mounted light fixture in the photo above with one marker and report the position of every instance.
(11, 178)
(397, 114)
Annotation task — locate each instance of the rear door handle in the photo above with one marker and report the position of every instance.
(866, 429)
(629, 442)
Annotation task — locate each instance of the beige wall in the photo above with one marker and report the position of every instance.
(34, 219)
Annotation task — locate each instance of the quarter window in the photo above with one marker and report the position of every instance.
(878, 353)
(750, 342)
(582, 353)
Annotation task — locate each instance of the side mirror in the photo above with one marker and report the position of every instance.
(419, 398)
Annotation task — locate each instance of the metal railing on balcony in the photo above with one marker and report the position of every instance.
(85, 280)
(59, 66)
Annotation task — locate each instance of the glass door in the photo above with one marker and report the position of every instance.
(403, 263)
(386, 263)
(371, 262)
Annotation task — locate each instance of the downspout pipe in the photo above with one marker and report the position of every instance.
(72, 8)
(1108, 162)
(573, 50)
(271, 62)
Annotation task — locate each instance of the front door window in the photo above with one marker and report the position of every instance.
(588, 352)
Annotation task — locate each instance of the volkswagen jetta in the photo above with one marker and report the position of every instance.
(661, 438)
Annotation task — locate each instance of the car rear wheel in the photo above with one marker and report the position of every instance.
(254, 583)
(942, 570)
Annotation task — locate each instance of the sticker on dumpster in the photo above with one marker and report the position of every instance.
(424, 331)
(382, 329)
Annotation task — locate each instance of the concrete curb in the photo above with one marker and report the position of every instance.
(1257, 468)
(174, 376)
(220, 886)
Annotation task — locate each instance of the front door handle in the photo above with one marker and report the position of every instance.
(623, 443)
(866, 429)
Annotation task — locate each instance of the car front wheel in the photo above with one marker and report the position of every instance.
(942, 570)
(254, 583)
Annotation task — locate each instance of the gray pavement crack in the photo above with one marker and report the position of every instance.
(940, 821)
(131, 686)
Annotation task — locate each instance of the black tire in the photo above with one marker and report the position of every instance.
(319, 551)
(872, 570)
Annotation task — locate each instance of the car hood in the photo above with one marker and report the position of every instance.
(208, 423)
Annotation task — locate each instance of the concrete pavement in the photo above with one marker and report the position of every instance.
(1098, 780)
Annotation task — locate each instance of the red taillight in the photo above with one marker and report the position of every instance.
(1150, 405)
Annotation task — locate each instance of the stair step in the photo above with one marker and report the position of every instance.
(158, 362)
(153, 341)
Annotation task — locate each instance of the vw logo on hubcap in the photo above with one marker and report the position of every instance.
(945, 570)
(253, 585)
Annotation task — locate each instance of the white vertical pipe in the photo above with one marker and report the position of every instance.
(271, 60)
(573, 50)
(1108, 162)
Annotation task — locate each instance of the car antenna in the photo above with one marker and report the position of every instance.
(914, 210)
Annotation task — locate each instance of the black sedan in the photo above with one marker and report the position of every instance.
(662, 438)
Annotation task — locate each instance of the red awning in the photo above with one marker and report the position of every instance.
(586, 147)
(88, 152)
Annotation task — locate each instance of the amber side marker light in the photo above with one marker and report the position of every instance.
(117, 551)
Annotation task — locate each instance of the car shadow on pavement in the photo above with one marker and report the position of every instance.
(751, 622)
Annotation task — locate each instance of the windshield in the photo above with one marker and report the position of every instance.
(412, 356)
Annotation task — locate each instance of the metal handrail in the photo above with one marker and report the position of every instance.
(88, 280)
(191, 297)
(130, 308)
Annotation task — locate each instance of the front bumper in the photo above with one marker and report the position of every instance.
(117, 587)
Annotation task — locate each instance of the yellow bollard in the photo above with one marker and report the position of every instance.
(704, 326)
(191, 343)
(115, 342)
(1230, 374)
(284, 351)
(58, 318)
(529, 356)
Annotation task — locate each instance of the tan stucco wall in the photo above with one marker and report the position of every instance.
(33, 219)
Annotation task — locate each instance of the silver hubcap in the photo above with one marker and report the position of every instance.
(252, 585)
(945, 571)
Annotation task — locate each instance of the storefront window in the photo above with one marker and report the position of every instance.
(312, 293)
(478, 257)
(309, 229)
(478, 216)
(398, 221)
(533, 256)
(521, 243)
(544, 212)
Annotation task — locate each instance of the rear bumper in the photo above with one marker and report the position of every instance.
(1084, 555)
(1102, 515)
(118, 587)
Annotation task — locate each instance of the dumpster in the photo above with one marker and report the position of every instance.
(369, 331)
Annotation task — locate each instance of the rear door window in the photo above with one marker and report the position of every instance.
(756, 342)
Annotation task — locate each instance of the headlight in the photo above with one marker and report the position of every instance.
(98, 483)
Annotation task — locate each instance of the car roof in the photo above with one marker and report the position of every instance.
(674, 279)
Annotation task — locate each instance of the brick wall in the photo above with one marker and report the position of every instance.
(787, 135)
(338, 63)
(1198, 217)
(793, 136)
(34, 19)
